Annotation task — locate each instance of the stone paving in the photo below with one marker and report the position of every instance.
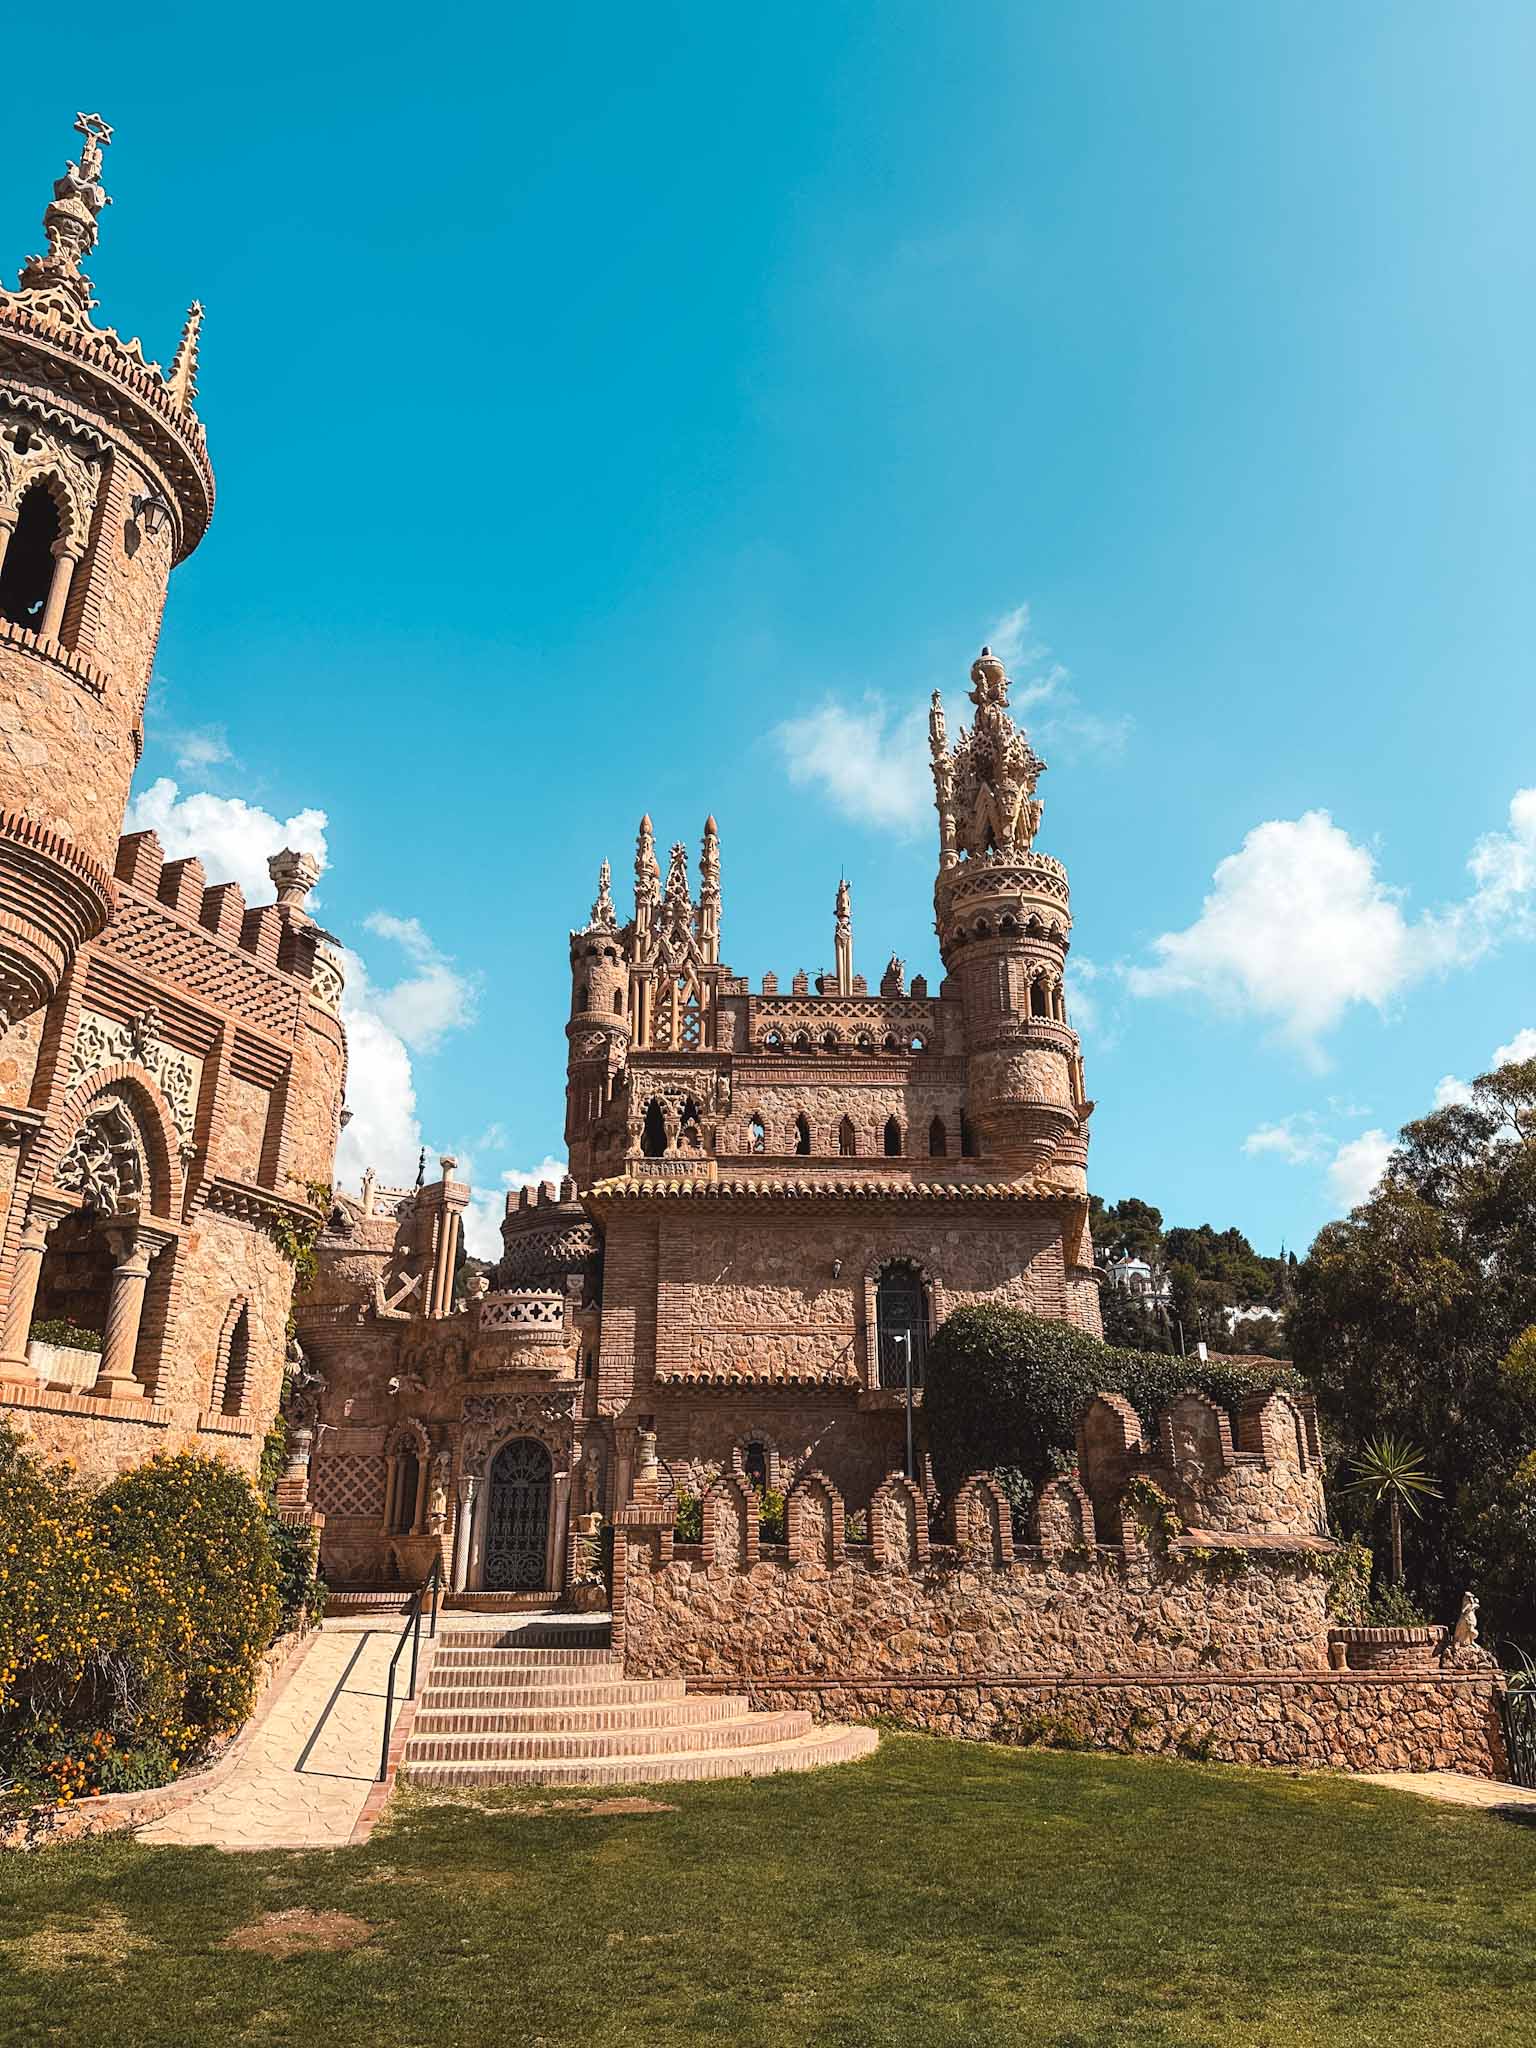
(311, 1763)
(1456, 1788)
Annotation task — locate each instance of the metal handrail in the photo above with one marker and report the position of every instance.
(433, 1584)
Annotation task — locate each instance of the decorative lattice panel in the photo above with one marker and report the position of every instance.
(347, 1485)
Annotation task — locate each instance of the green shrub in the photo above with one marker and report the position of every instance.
(132, 1620)
(1392, 1606)
(1005, 1388)
(772, 1526)
(72, 1336)
(689, 1525)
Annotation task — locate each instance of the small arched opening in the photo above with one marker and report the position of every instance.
(1039, 1004)
(968, 1146)
(938, 1139)
(892, 1138)
(653, 1135)
(757, 1134)
(802, 1136)
(847, 1139)
(26, 576)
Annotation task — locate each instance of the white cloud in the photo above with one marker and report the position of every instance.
(1083, 1007)
(232, 838)
(199, 748)
(1449, 1091)
(487, 1206)
(1295, 1139)
(1357, 1167)
(1298, 925)
(384, 1027)
(1521, 1047)
(869, 762)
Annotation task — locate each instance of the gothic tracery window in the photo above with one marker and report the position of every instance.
(27, 573)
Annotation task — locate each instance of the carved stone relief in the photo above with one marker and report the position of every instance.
(102, 1042)
(105, 1160)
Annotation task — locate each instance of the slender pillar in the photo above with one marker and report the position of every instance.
(459, 1570)
(7, 528)
(125, 1311)
(423, 1489)
(23, 1298)
(391, 1481)
(58, 593)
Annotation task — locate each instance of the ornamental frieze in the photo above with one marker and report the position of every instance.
(103, 1042)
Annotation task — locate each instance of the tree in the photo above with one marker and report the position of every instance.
(1410, 1322)
(1391, 1470)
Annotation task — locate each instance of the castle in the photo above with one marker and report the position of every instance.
(172, 1061)
(775, 1196)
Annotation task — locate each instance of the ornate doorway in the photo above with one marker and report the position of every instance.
(517, 1518)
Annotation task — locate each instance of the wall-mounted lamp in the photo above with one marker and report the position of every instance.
(152, 513)
(837, 1267)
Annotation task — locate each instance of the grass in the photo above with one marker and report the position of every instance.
(939, 1894)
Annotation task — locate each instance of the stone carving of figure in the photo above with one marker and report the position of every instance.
(1465, 1632)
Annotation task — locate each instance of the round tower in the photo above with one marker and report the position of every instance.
(1003, 914)
(598, 1031)
(104, 487)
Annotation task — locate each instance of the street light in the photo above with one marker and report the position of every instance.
(904, 1339)
(151, 512)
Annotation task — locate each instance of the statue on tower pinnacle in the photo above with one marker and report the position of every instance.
(984, 786)
(55, 282)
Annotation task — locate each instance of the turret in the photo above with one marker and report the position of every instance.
(598, 1033)
(1004, 923)
(104, 487)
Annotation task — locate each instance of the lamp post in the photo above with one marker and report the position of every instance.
(904, 1339)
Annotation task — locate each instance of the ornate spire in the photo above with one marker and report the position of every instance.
(647, 875)
(603, 918)
(56, 279)
(676, 895)
(183, 378)
(984, 786)
(843, 938)
(709, 892)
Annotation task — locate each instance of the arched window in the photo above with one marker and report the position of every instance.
(773, 1041)
(892, 1138)
(653, 1137)
(802, 1135)
(27, 573)
(901, 1323)
(757, 1135)
(847, 1138)
(967, 1138)
(1037, 999)
(407, 1485)
(938, 1139)
(231, 1391)
(583, 998)
(618, 1002)
(755, 1465)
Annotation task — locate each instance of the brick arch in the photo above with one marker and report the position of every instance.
(410, 1435)
(871, 1288)
(162, 1147)
(74, 516)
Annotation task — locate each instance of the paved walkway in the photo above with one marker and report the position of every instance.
(1455, 1788)
(311, 1762)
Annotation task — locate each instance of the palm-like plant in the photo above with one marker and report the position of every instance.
(1390, 1469)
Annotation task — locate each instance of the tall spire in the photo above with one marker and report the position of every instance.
(603, 918)
(183, 378)
(55, 281)
(709, 893)
(843, 938)
(984, 786)
(647, 875)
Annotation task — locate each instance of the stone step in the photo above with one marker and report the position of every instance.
(453, 1656)
(530, 1635)
(615, 1692)
(436, 1717)
(500, 1603)
(833, 1743)
(646, 1739)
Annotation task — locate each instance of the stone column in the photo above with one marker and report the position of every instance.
(423, 1485)
(58, 593)
(459, 1570)
(391, 1481)
(7, 528)
(23, 1299)
(133, 1252)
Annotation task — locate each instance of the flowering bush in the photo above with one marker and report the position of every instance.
(132, 1620)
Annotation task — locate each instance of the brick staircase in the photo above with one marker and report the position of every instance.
(548, 1703)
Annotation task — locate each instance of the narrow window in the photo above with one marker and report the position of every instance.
(1037, 1003)
(892, 1138)
(938, 1139)
(583, 998)
(618, 1002)
(237, 1390)
(27, 574)
(847, 1138)
(901, 1323)
(757, 1135)
(967, 1138)
(756, 1465)
(802, 1135)
(653, 1138)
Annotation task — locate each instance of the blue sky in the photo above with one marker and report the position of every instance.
(645, 409)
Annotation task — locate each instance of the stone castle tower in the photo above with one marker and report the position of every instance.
(171, 1061)
(104, 487)
(1002, 912)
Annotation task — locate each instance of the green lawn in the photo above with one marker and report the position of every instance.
(940, 1893)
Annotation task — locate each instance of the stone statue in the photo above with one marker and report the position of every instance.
(1464, 1635)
